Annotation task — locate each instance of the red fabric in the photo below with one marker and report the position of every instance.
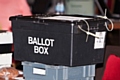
(11, 8)
(112, 70)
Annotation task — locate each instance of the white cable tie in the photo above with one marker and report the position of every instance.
(92, 34)
(87, 29)
(88, 33)
(111, 25)
(105, 17)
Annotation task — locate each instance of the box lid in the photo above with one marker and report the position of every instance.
(66, 22)
(61, 18)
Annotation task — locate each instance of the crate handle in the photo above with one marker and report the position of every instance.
(39, 71)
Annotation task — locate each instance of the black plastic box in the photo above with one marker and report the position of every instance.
(60, 41)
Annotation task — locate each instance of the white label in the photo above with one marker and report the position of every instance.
(39, 71)
(100, 42)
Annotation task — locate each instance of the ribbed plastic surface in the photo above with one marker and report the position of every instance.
(38, 71)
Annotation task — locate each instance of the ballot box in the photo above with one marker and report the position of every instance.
(68, 40)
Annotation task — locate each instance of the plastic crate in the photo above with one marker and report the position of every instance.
(49, 72)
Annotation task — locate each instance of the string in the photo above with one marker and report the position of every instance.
(105, 17)
(88, 30)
